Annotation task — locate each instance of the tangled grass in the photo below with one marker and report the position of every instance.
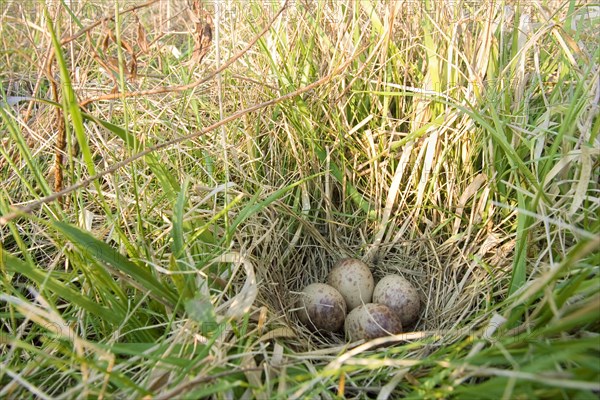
(452, 143)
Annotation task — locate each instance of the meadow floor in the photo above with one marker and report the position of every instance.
(174, 173)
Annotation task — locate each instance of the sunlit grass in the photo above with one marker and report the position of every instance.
(457, 145)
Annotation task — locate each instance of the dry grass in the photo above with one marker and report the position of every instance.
(456, 145)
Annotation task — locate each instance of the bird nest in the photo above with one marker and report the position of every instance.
(455, 277)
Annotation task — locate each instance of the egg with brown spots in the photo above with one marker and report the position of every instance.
(353, 279)
(401, 296)
(321, 307)
(370, 321)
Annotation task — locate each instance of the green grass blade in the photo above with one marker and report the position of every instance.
(104, 253)
(71, 105)
(45, 280)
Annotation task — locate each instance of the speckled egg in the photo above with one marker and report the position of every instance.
(401, 296)
(370, 321)
(353, 279)
(321, 307)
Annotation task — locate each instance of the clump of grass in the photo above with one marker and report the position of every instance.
(455, 145)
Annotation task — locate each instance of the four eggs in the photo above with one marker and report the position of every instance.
(352, 300)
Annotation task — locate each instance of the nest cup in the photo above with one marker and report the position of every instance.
(317, 271)
(288, 270)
